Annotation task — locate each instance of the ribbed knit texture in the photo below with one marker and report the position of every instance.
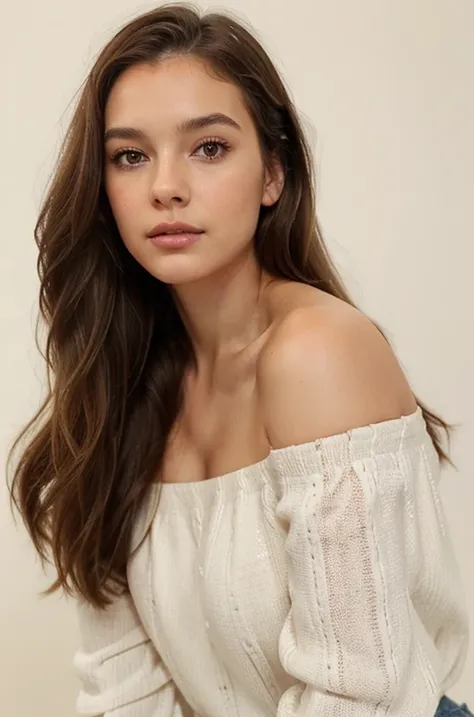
(319, 582)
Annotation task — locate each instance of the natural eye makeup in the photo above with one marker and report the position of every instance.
(213, 149)
(211, 143)
(130, 151)
(116, 158)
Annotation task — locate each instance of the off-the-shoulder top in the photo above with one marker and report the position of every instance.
(319, 582)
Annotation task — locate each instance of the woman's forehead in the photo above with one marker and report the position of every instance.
(175, 88)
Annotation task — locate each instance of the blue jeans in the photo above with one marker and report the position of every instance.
(448, 708)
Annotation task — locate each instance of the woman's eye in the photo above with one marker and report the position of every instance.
(209, 150)
(214, 149)
(133, 157)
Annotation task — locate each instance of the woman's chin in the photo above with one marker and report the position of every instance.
(177, 270)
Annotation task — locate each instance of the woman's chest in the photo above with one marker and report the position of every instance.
(219, 430)
(217, 585)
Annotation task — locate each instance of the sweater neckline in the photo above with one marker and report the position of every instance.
(411, 423)
(291, 464)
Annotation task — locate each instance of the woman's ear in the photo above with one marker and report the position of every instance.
(274, 182)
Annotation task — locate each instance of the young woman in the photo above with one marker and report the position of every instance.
(231, 471)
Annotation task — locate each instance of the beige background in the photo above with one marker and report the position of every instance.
(387, 85)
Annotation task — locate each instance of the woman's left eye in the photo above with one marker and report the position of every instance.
(211, 149)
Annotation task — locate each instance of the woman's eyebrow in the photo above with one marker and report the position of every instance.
(189, 125)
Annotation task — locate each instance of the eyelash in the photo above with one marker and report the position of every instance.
(131, 150)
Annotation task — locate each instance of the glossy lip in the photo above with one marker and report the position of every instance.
(175, 241)
(173, 228)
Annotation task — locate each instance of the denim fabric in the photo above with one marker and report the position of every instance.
(448, 708)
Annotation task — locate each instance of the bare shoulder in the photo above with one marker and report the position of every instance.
(324, 370)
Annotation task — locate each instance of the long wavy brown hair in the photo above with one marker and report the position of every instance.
(116, 348)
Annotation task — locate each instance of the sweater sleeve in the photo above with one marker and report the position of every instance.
(376, 596)
(120, 672)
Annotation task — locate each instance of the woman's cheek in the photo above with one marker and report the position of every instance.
(123, 200)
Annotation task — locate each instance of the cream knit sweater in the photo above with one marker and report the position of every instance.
(319, 582)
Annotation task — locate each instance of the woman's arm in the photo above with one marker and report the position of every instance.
(120, 671)
(366, 537)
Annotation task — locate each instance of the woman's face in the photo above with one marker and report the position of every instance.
(194, 157)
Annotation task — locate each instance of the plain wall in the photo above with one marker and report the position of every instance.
(385, 87)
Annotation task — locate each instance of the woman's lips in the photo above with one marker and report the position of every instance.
(175, 241)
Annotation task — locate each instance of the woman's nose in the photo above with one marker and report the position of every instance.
(170, 183)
